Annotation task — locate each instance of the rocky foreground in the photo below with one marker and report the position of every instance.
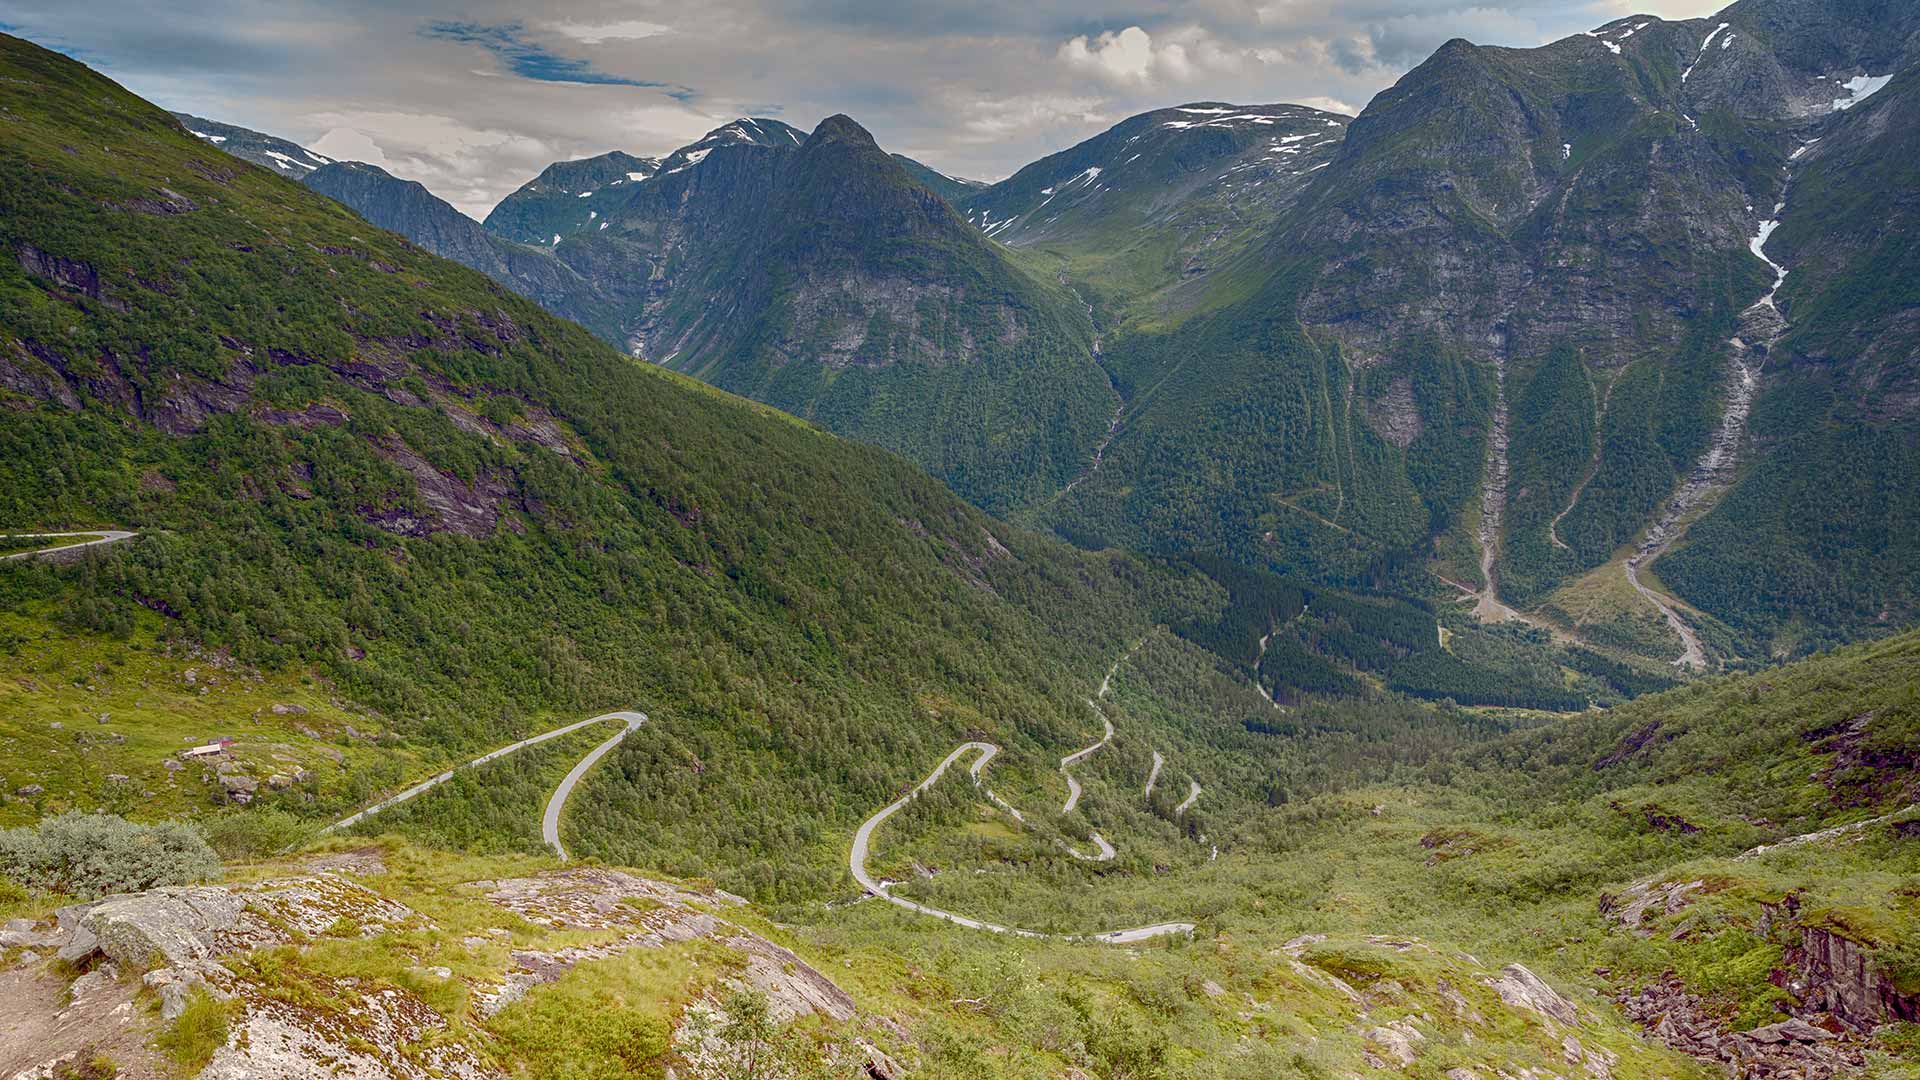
(179, 942)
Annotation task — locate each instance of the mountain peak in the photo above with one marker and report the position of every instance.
(843, 128)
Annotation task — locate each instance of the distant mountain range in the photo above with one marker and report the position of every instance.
(1615, 333)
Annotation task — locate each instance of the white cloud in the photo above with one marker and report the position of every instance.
(598, 33)
(1329, 104)
(1129, 55)
(989, 119)
(1666, 9)
(351, 144)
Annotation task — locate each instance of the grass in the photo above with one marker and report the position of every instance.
(157, 700)
(196, 1034)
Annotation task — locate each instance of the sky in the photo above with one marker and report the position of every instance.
(473, 97)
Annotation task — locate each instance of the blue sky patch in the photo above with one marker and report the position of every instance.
(532, 60)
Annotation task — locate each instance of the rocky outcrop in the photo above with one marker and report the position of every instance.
(385, 1035)
(1522, 989)
(1796, 1049)
(181, 925)
(597, 899)
(1632, 906)
(1832, 973)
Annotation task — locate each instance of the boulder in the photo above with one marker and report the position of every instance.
(1793, 1030)
(172, 926)
(1522, 988)
(30, 791)
(239, 788)
(22, 933)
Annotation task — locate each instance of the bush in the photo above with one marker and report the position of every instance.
(244, 836)
(92, 855)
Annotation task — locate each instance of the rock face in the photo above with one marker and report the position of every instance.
(594, 899)
(1835, 974)
(1795, 1049)
(386, 1035)
(164, 927)
(1521, 988)
(185, 940)
(180, 925)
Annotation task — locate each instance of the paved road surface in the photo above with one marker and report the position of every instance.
(863, 841)
(1193, 796)
(102, 536)
(1073, 786)
(633, 720)
(550, 821)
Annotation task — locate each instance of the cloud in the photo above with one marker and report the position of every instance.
(596, 33)
(531, 60)
(474, 97)
(1127, 56)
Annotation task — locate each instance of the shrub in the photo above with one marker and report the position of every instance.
(244, 836)
(92, 855)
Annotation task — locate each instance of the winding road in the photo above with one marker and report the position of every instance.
(550, 820)
(1073, 786)
(100, 537)
(863, 838)
(1193, 796)
(863, 841)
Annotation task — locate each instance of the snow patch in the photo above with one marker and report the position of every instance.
(287, 162)
(209, 138)
(1685, 75)
(585, 194)
(1566, 151)
(1758, 245)
(1860, 88)
(1611, 46)
(636, 176)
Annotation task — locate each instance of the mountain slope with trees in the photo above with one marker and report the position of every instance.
(345, 456)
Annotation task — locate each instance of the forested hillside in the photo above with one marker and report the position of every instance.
(346, 457)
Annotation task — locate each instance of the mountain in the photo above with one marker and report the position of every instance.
(1509, 339)
(350, 462)
(549, 206)
(408, 208)
(813, 273)
(279, 155)
(951, 188)
(655, 732)
(1162, 198)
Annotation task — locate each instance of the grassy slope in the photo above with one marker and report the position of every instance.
(783, 602)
